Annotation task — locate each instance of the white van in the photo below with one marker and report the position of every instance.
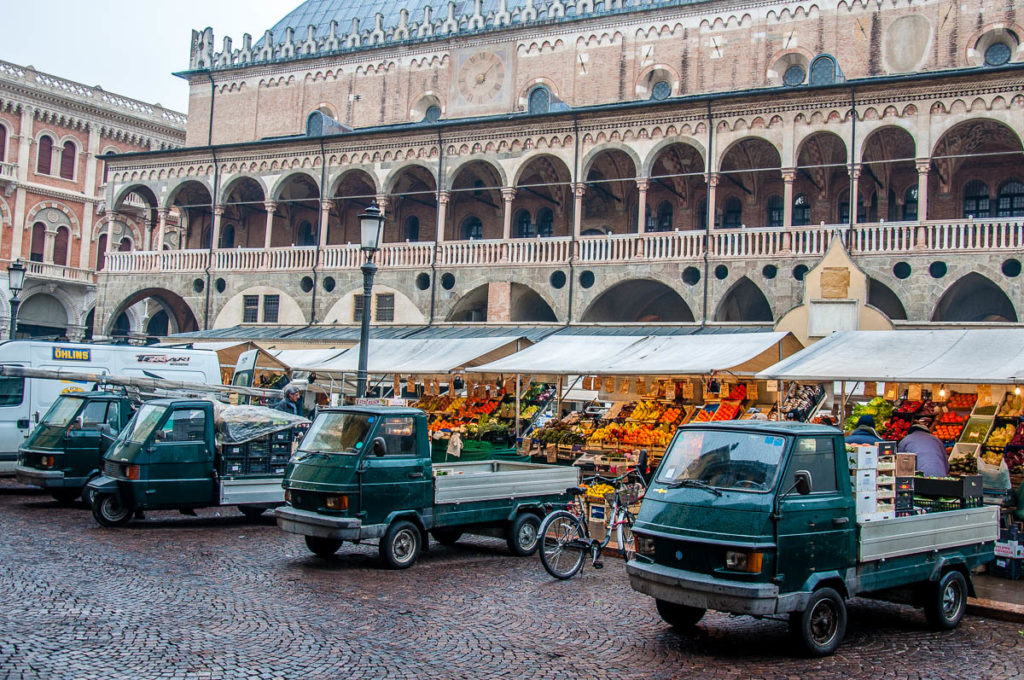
(23, 401)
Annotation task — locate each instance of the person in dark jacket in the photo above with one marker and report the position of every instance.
(865, 432)
(290, 401)
(932, 459)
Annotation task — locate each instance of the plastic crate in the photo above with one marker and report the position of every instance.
(285, 436)
(280, 447)
(1006, 567)
(277, 469)
(279, 458)
(230, 467)
(257, 466)
(259, 449)
(234, 450)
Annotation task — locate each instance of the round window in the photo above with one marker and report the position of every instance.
(937, 269)
(770, 271)
(198, 285)
(721, 272)
(433, 114)
(799, 272)
(795, 75)
(447, 280)
(329, 283)
(1011, 268)
(423, 280)
(661, 90)
(901, 270)
(220, 285)
(587, 279)
(557, 279)
(997, 54)
(691, 276)
(306, 284)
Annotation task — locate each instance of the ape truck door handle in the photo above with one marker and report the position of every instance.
(415, 475)
(840, 521)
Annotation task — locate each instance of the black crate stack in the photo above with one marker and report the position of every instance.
(267, 455)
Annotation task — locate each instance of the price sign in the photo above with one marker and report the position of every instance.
(623, 385)
(688, 390)
(771, 385)
(397, 384)
(609, 385)
(670, 390)
(641, 386)
(410, 385)
(914, 392)
(752, 391)
(870, 389)
(892, 391)
(984, 395)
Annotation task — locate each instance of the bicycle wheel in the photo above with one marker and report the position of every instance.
(624, 533)
(563, 544)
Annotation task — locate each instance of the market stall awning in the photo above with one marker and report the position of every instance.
(739, 354)
(304, 359)
(421, 356)
(976, 355)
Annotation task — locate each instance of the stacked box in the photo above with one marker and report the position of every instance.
(259, 448)
(904, 501)
(280, 452)
(257, 466)
(873, 479)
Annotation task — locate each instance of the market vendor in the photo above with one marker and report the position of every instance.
(290, 401)
(931, 452)
(864, 432)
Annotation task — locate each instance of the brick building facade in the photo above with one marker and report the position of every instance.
(52, 183)
(555, 162)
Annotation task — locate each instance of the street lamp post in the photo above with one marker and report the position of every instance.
(16, 282)
(370, 224)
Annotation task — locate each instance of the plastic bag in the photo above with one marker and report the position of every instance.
(994, 477)
(238, 424)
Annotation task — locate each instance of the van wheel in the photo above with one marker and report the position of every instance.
(679, 616)
(446, 536)
(65, 496)
(87, 496)
(322, 547)
(822, 625)
(109, 511)
(522, 534)
(253, 511)
(401, 545)
(947, 601)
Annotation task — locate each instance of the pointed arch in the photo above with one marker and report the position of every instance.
(638, 300)
(885, 300)
(744, 302)
(974, 298)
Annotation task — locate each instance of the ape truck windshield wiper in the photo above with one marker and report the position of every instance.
(693, 484)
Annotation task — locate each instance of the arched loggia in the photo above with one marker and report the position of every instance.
(638, 301)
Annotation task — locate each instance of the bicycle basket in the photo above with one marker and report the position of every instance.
(628, 495)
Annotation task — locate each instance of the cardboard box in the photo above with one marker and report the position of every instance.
(906, 464)
(865, 457)
(863, 480)
(968, 486)
(1012, 549)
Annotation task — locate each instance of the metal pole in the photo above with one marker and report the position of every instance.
(368, 269)
(15, 304)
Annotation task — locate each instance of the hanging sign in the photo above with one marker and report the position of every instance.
(914, 392)
(688, 390)
(670, 390)
(641, 386)
(752, 391)
(410, 385)
(870, 389)
(397, 384)
(892, 391)
(624, 385)
(609, 385)
(984, 395)
(771, 385)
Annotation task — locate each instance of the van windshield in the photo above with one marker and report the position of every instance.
(62, 412)
(142, 424)
(337, 433)
(724, 459)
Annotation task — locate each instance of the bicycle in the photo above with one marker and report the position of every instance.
(565, 534)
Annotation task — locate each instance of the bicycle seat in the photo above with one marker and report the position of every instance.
(576, 490)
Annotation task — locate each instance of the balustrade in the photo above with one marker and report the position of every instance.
(48, 270)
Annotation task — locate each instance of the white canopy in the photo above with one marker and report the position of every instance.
(419, 356)
(738, 353)
(976, 355)
(304, 359)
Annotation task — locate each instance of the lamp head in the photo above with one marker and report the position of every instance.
(371, 222)
(16, 277)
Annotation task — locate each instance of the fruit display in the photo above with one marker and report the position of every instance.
(878, 408)
(727, 410)
(976, 430)
(948, 433)
(908, 407)
(965, 464)
(897, 429)
(705, 414)
(961, 401)
(1000, 437)
(1012, 407)
(599, 490)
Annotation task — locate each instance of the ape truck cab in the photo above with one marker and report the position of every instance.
(184, 454)
(759, 518)
(65, 450)
(366, 473)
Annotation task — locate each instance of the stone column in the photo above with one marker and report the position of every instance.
(325, 218)
(113, 231)
(25, 142)
(641, 211)
(383, 202)
(854, 192)
(49, 237)
(442, 213)
(161, 228)
(579, 191)
(151, 225)
(508, 194)
(788, 177)
(712, 203)
(218, 213)
(91, 170)
(924, 166)
(271, 208)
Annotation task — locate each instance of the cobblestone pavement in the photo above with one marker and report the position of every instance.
(219, 597)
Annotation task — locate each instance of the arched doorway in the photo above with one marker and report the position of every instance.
(180, 317)
(543, 200)
(678, 186)
(611, 198)
(751, 172)
(244, 221)
(476, 203)
(412, 200)
(822, 174)
(638, 301)
(42, 316)
(974, 163)
(887, 169)
(744, 302)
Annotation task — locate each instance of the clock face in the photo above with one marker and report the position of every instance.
(481, 78)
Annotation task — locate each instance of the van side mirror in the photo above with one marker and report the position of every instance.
(380, 447)
(802, 482)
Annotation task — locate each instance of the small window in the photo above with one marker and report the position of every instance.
(775, 211)
(101, 251)
(524, 228)
(661, 90)
(126, 245)
(227, 237)
(38, 242)
(823, 70)
(385, 307)
(399, 436)
(44, 159)
(976, 200)
(997, 54)
(12, 391)
(250, 308)
(801, 211)
(433, 114)
(357, 307)
(184, 425)
(1010, 202)
(472, 229)
(540, 100)
(794, 75)
(3, 142)
(545, 222)
(816, 455)
(68, 156)
(94, 414)
(910, 204)
(271, 304)
(412, 228)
